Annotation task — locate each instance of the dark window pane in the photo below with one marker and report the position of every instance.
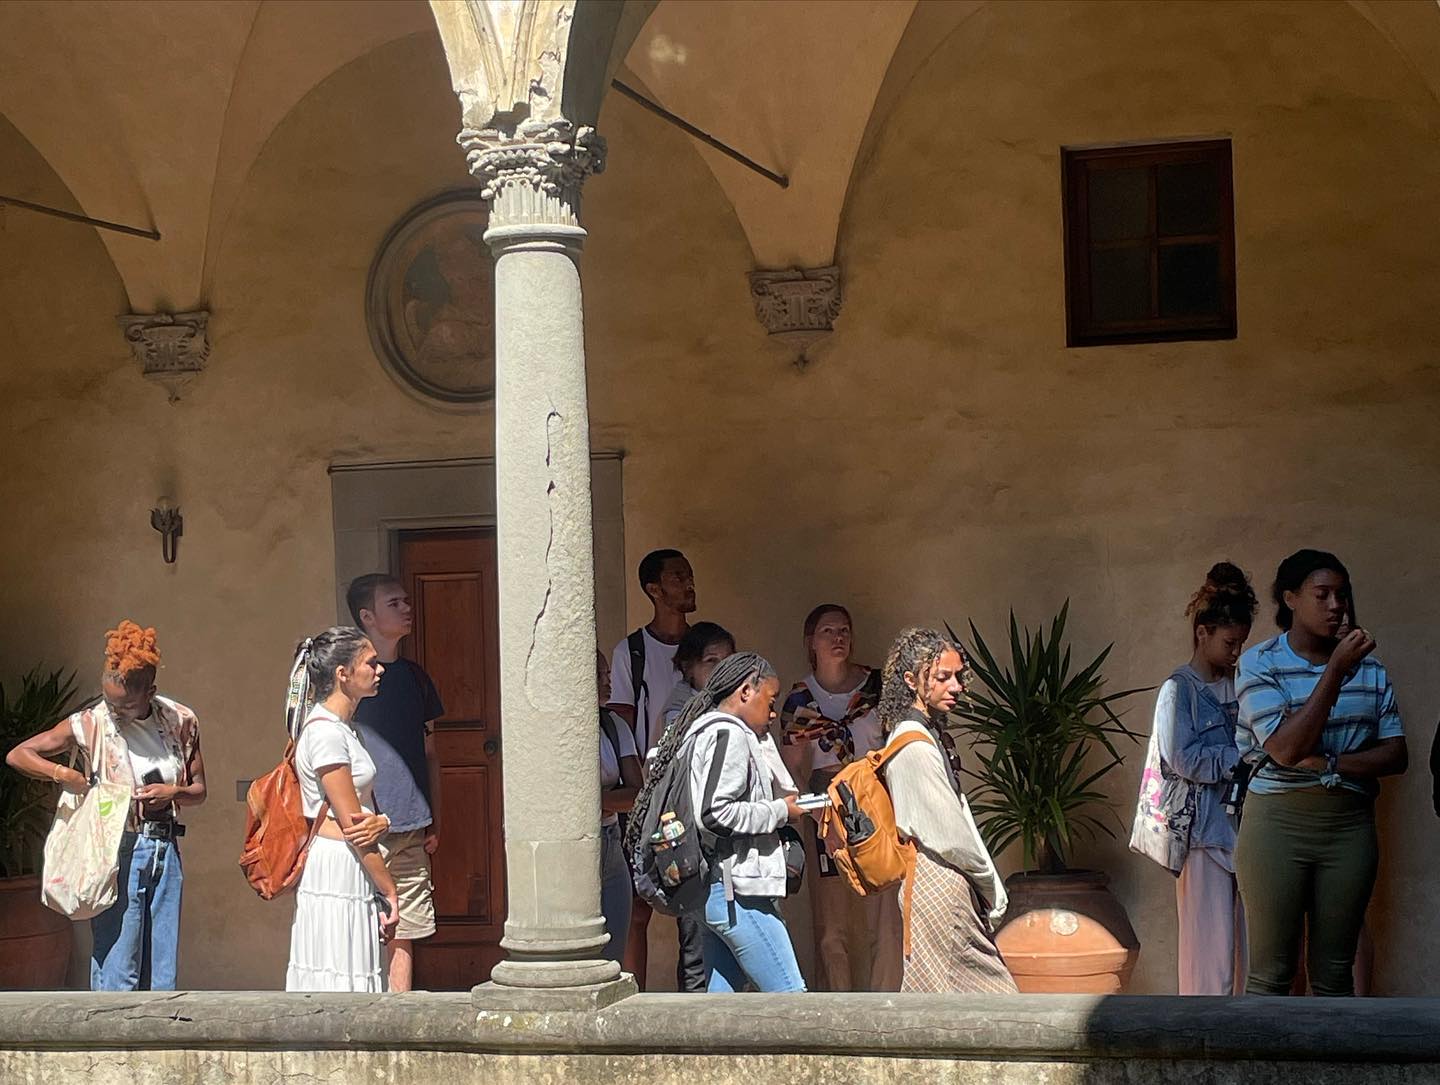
(1120, 284)
(1119, 204)
(1187, 199)
(1190, 280)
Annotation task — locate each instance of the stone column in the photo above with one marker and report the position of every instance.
(554, 931)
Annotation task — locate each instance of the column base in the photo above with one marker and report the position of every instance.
(528, 972)
(586, 998)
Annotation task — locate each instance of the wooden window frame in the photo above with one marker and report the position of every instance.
(1075, 169)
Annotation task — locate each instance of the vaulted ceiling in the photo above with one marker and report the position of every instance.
(154, 111)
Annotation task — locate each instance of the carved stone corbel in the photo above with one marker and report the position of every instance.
(797, 306)
(172, 348)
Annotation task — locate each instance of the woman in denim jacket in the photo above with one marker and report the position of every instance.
(1195, 733)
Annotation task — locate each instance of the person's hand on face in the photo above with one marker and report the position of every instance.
(1353, 647)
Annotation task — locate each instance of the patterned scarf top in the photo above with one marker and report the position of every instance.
(802, 721)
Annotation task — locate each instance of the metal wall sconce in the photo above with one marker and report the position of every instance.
(166, 519)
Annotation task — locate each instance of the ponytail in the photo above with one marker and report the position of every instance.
(729, 675)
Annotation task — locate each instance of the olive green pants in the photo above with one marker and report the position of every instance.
(1305, 855)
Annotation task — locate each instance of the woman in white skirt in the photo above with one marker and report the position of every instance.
(346, 903)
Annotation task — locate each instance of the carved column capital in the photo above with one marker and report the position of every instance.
(533, 175)
(798, 306)
(172, 348)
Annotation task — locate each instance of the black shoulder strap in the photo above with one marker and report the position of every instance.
(610, 731)
(636, 643)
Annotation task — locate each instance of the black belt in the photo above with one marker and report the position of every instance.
(161, 830)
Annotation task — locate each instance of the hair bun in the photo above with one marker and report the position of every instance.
(1227, 577)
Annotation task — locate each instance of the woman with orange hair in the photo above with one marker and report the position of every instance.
(152, 744)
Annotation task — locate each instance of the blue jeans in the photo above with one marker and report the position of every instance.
(745, 939)
(137, 939)
(616, 891)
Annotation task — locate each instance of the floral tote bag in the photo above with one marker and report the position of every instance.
(1164, 810)
(83, 849)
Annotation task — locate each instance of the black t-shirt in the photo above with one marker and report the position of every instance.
(392, 725)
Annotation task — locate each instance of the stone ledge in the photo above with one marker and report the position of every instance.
(1018, 1028)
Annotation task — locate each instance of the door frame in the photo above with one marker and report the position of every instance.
(372, 503)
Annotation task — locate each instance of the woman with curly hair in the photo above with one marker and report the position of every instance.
(152, 744)
(1182, 823)
(955, 892)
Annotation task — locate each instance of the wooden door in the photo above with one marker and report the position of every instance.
(451, 577)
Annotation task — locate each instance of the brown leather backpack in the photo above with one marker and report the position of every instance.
(882, 859)
(277, 840)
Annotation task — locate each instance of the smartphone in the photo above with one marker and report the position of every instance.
(384, 903)
(152, 777)
(817, 801)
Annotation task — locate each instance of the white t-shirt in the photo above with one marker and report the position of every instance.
(660, 679)
(326, 740)
(865, 731)
(1223, 689)
(610, 761)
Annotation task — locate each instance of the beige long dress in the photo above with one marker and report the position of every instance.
(951, 950)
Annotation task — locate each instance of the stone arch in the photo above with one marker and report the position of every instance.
(513, 61)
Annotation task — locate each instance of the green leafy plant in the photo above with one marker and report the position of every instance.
(27, 806)
(1037, 724)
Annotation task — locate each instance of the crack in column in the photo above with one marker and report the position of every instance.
(552, 416)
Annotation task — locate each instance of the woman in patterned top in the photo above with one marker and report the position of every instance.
(1319, 723)
(152, 744)
(829, 720)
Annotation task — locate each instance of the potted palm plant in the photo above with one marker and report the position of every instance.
(34, 941)
(1045, 735)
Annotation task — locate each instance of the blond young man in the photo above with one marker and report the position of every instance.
(397, 727)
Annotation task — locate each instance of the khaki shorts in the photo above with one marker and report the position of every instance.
(410, 867)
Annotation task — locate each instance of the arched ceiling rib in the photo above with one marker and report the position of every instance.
(154, 113)
(294, 46)
(791, 85)
(127, 103)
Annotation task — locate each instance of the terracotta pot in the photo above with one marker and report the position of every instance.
(1066, 933)
(34, 941)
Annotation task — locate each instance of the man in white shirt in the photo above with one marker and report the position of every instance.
(642, 676)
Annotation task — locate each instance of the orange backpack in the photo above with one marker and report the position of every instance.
(277, 840)
(882, 859)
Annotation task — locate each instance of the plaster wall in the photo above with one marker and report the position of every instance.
(944, 456)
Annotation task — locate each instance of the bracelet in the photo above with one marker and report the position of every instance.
(55, 772)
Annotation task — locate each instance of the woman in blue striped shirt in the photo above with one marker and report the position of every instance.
(1319, 725)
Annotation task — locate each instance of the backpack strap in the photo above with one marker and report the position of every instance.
(894, 746)
(636, 643)
(909, 892)
(898, 743)
(324, 811)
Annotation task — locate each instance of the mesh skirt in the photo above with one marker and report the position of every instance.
(950, 950)
(335, 936)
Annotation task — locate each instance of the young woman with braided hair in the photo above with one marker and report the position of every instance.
(956, 894)
(152, 744)
(741, 795)
(1189, 831)
(339, 924)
